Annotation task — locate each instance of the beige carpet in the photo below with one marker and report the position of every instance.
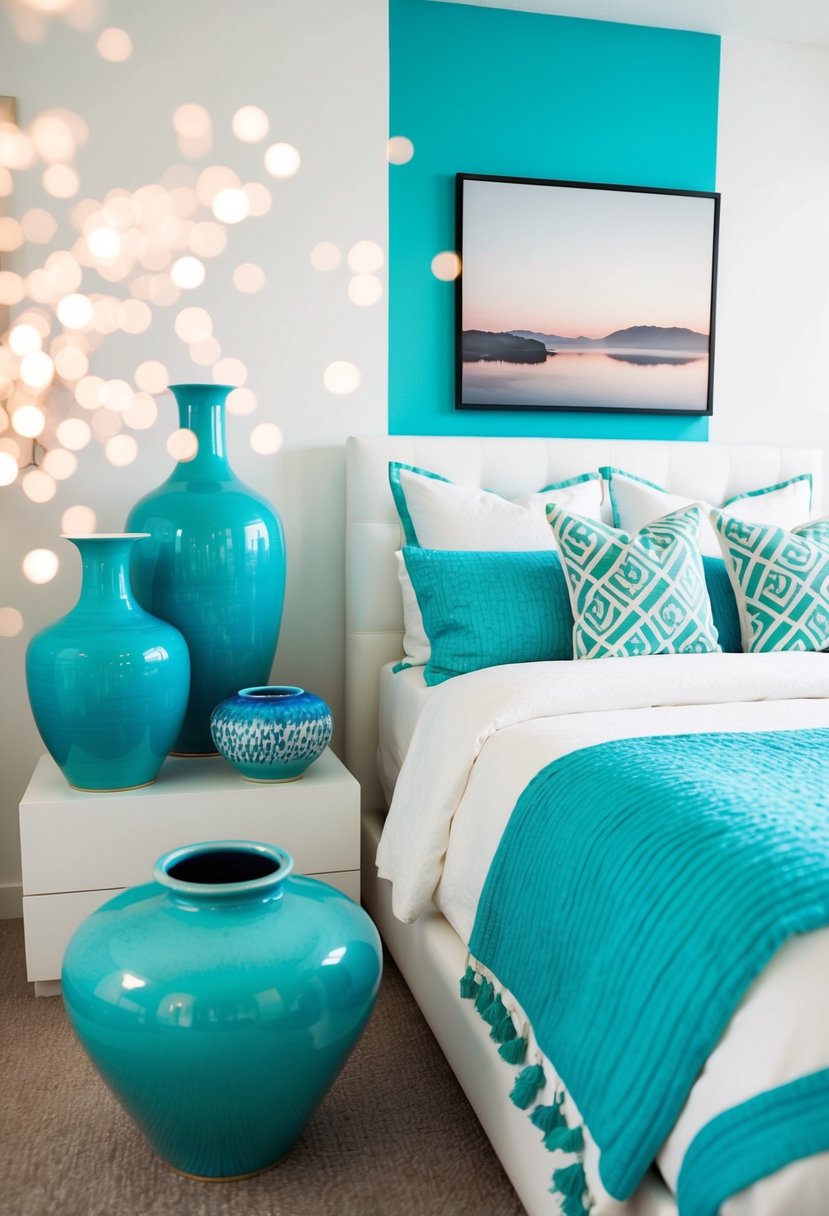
(394, 1136)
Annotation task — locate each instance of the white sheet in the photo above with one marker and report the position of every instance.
(482, 737)
(402, 696)
(464, 712)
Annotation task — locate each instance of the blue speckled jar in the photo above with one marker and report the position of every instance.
(220, 1001)
(273, 732)
(108, 683)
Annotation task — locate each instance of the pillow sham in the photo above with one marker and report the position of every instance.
(483, 609)
(636, 595)
(636, 502)
(435, 513)
(780, 579)
(438, 514)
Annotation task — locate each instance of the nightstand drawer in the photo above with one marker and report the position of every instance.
(83, 842)
(50, 921)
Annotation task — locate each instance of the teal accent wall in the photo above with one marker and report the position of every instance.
(482, 90)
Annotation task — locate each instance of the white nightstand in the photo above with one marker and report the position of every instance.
(80, 849)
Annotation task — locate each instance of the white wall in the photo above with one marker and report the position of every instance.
(319, 68)
(772, 353)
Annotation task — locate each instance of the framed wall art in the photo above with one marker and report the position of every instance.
(584, 296)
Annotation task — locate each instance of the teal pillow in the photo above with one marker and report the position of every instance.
(723, 604)
(486, 609)
(781, 582)
(636, 595)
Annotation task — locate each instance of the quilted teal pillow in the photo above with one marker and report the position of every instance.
(780, 581)
(723, 605)
(636, 595)
(482, 609)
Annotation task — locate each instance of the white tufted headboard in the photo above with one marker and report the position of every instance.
(510, 467)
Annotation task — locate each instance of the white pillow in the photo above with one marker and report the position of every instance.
(438, 514)
(442, 515)
(416, 647)
(636, 503)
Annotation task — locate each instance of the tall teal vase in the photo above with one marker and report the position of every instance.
(108, 683)
(220, 1001)
(214, 566)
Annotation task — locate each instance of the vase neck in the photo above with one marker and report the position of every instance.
(222, 872)
(105, 563)
(201, 409)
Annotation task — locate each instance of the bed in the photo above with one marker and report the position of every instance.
(385, 713)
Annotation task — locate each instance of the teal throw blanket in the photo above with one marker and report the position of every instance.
(752, 1140)
(639, 887)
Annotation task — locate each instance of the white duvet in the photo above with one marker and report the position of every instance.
(483, 736)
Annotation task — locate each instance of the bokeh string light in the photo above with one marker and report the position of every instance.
(248, 278)
(399, 150)
(241, 401)
(114, 45)
(250, 124)
(119, 264)
(78, 520)
(282, 160)
(266, 438)
(341, 377)
(446, 265)
(40, 565)
(11, 622)
(140, 231)
(326, 256)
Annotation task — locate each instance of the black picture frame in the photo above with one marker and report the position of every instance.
(533, 248)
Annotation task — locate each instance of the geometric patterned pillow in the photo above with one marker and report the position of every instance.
(780, 580)
(636, 595)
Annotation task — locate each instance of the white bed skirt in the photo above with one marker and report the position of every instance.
(432, 958)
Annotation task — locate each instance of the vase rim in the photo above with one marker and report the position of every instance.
(202, 384)
(260, 692)
(267, 884)
(75, 536)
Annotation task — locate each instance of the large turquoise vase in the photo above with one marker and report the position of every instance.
(214, 566)
(220, 1001)
(108, 683)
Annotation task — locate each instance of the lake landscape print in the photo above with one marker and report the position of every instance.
(584, 297)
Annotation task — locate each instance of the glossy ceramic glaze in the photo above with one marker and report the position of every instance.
(214, 565)
(220, 1001)
(272, 733)
(108, 682)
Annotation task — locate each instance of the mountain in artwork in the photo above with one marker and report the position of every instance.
(635, 337)
(480, 345)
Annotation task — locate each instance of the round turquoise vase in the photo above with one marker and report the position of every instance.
(220, 1001)
(214, 566)
(108, 683)
(272, 733)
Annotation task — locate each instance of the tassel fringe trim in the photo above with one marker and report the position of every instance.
(469, 984)
(527, 1084)
(569, 1182)
(514, 1051)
